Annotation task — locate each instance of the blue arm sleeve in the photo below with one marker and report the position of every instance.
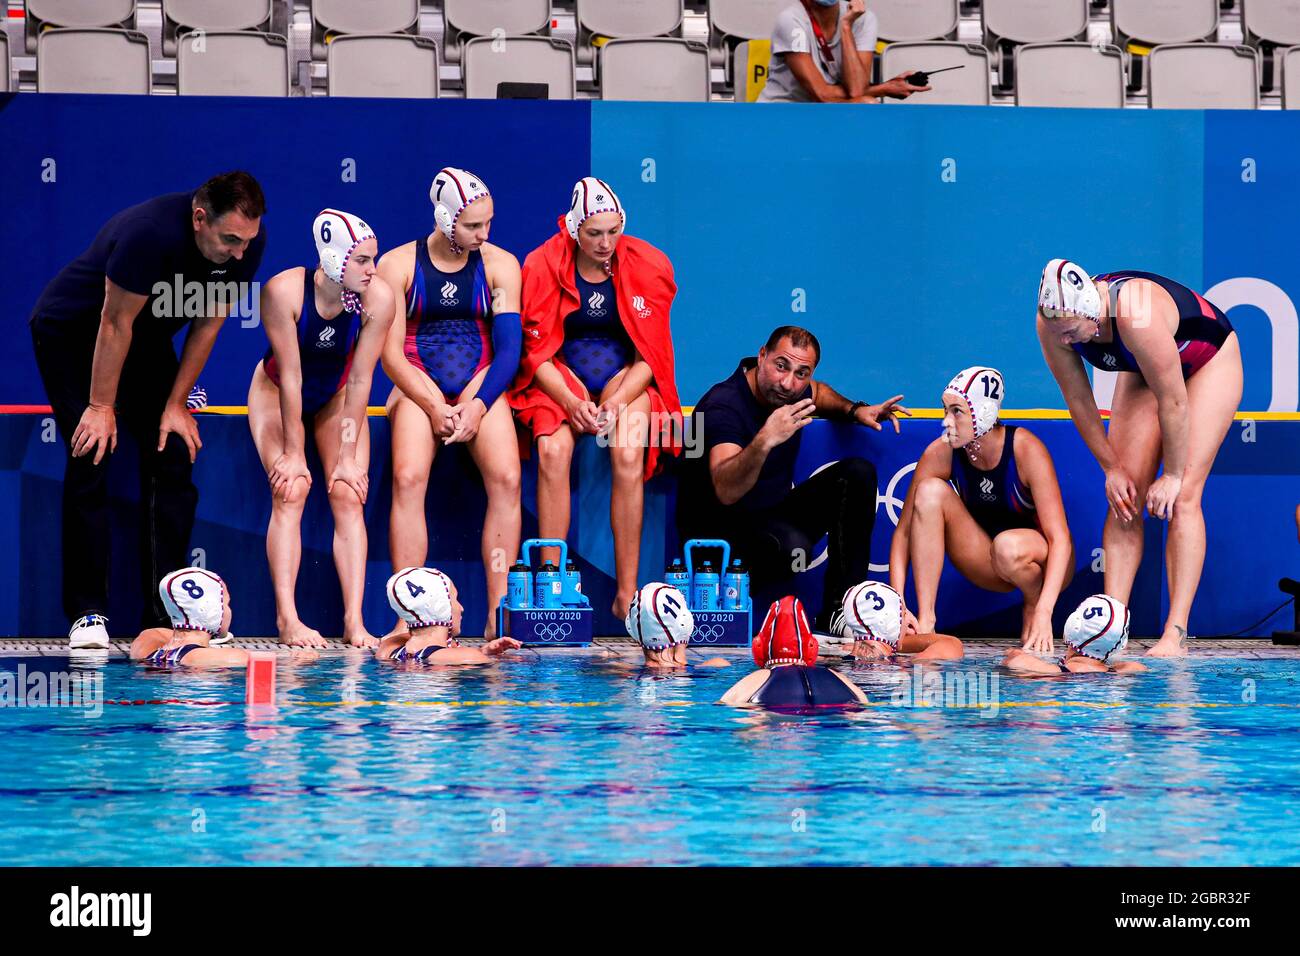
(507, 344)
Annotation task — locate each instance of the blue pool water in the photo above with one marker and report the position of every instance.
(565, 760)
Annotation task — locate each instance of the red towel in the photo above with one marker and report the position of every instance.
(644, 289)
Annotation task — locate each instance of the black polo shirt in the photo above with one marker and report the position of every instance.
(138, 248)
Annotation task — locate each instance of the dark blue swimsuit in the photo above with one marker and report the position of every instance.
(324, 350)
(449, 321)
(997, 499)
(596, 345)
(798, 686)
(165, 658)
(1202, 327)
(418, 657)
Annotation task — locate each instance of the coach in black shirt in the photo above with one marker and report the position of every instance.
(102, 331)
(742, 489)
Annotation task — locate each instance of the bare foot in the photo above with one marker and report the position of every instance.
(1173, 643)
(299, 634)
(925, 625)
(490, 628)
(359, 637)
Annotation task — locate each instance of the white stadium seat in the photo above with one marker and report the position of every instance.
(76, 13)
(745, 19)
(1164, 21)
(93, 61)
(467, 19)
(1204, 76)
(907, 20)
(181, 16)
(1034, 21)
(360, 16)
(969, 86)
(393, 65)
(1271, 26)
(233, 64)
(630, 18)
(1069, 74)
(4, 62)
(1290, 78)
(657, 69)
(525, 60)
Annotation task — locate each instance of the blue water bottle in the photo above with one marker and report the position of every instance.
(547, 586)
(736, 586)
(705, 587)
(676, 576)
(519, 587)
(572, 581)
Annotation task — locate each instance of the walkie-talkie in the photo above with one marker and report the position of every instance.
(922, 78)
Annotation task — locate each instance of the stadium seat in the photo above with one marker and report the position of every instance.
(969, 87)
(1069, 74)
(1204, 76)
(732, 24)
(657, 69)
(599, 20)
(76, 13)
(1008, 23)
(4, 62)
(467, 19)
(360, 16)
(524, 60)
(181, 16)
(384, 65)
(72, 60)
(1290, 60)
(1270, 26)
(907, 20)
(233, 64)
(751, 62)
(1137, 25)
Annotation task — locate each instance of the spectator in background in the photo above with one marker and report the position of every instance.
(742, 489)
(809, 59)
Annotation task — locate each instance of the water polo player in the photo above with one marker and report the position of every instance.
(875, 622)
(1095, 635)
(659, 620)
(198, 603)
(425, 601)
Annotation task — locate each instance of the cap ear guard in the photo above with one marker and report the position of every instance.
(421, 597)
(337, 236)
(194, 599)
(658, 617)
(874, 612)
(591, 197)
(452, 192)
(785, 637)
(1098, 628)
(1067, 289)
(984, 390)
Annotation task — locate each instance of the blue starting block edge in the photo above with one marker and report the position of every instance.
(723, 628)
(546, 627)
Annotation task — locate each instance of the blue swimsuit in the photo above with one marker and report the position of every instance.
(997, 499)
(798, 685)
(170, 658)
(596, 345)
(324, 351)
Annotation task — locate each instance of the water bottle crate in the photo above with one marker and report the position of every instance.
(722, 628)
(546, 627)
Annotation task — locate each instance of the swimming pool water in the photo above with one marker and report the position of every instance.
(567, 760)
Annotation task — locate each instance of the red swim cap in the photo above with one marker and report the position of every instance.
(785, 637)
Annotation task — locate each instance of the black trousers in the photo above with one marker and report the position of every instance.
(168, 498)
(778, 542)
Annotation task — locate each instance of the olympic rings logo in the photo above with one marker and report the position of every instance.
(552, 632)
(709, 633)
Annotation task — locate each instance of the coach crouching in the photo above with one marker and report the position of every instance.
(102, 331)
(742, 489)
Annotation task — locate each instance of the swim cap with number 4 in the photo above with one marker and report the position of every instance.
(421, 597)
(874, 612)
(659, 618)
(1098, 628)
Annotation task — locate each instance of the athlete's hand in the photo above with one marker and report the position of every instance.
(607, 416)
(909, 623)
(1161, 496)
(97, 431)
(286, 470)
(1039, 638)
(870, 650)
(583, 416)
(501, 645)
(441, 421)
(177, 420)
(1122, 494)
(466, 419)
(873, 415)
(349, 471)
(784, 422)
(899, 88)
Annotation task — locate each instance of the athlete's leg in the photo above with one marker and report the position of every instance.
(349, 514)
(283, 532)
(942, 525)
(496, 452)
(1020, 558)
(627, 450)
(1134, 437)
(554, 456)
(413, 447)
(1213, 395)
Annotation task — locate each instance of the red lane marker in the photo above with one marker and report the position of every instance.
(259, 686)
(25, 410)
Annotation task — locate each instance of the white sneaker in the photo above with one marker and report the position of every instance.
(90, 631)
(838, 631)
(222, 639)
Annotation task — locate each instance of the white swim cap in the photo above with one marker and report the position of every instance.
(591, 197)
(874, 612)
(421, 597)
(337, 236)
(659, 618)
(1066, 289)
(452, 190)
(193, 599)
(983, 389)
(1098, 627)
